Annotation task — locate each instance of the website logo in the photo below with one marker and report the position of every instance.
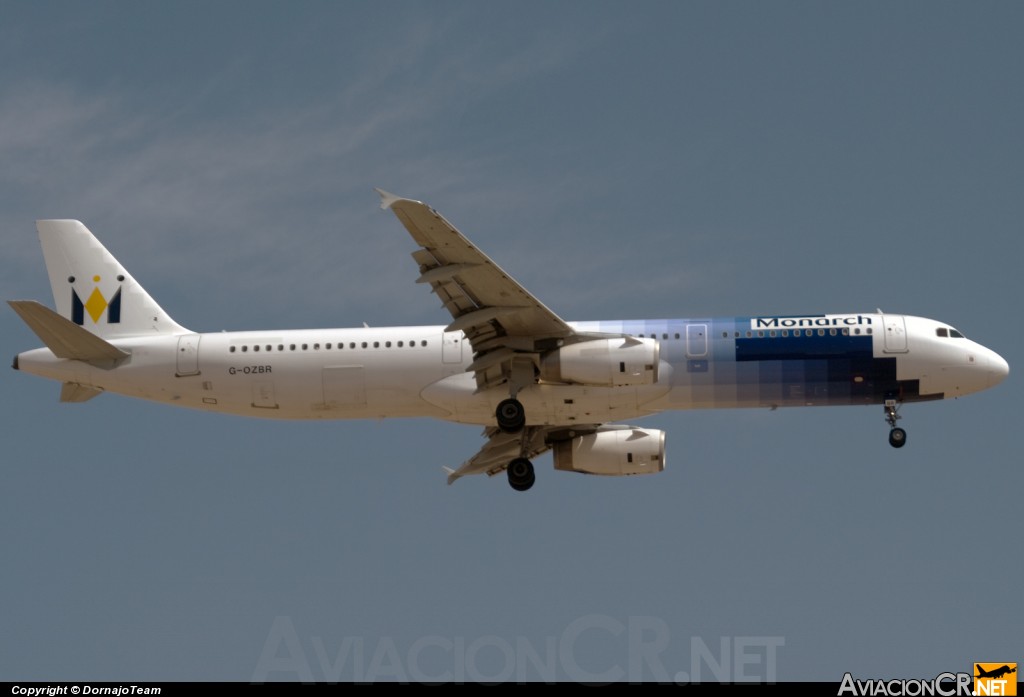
(995, 678)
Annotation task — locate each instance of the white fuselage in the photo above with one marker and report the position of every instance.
(424, 371)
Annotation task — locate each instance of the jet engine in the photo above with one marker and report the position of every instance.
(604, 363)
(614, 451)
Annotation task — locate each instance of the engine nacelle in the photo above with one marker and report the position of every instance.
(604, 363)
(614, 452)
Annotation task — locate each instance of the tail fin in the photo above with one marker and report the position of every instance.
(93, 290)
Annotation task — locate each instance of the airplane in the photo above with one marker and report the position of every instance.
(505, 361)
(996, 673)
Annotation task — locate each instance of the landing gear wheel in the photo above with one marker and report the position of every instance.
(897, 437)
(520, 474)
(511, 416)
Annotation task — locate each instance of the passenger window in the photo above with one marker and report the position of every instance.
(664, 336)
(305, 347)
(423, 343)
(316, 347)
(785, 333)
(327, 346)
(387, 344)
(256, 348)
(364, 344)
(376, 344)
(677, 335)
(280, 347)
(772, 333)
(232, 349)
(831, 332)
(400, 344)
(291, 347)
(244, 349)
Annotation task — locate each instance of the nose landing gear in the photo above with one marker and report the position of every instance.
(897, 436)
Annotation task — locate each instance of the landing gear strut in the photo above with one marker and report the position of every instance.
(897, 436)
(511, 418)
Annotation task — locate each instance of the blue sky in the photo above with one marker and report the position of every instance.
(653, 160)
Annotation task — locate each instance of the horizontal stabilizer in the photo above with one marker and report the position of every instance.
(62, 336)
(73, 392)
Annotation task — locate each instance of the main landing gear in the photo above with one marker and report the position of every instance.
(897, 436)
(520, 474)
(511, 417)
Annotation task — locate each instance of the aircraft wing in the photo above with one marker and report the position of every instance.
(494, 456)
(501, 448)
(499, 317)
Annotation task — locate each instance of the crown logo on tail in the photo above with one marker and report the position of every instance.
(95, 305)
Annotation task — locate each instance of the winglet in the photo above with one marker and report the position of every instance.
(387, 199)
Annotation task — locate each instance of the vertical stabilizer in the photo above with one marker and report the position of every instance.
(93, 290)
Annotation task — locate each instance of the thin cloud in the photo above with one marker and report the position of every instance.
(215, 207)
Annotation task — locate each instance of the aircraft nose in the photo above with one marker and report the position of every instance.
(998, 369)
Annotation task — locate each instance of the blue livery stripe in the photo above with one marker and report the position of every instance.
(788, 348)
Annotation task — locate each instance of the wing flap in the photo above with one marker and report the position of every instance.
(482, 316)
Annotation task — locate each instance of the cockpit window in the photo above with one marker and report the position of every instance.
(942, 331)
(955, 334)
